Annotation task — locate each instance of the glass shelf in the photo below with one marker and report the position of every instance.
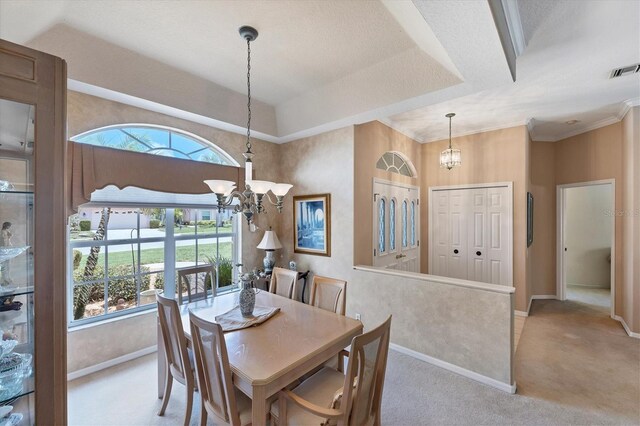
(15, 291)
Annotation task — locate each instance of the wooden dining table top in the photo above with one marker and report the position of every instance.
(263, 353)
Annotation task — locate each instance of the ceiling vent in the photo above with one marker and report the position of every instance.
(619, 72)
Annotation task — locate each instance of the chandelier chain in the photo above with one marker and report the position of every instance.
(249, 95)
(450, 132)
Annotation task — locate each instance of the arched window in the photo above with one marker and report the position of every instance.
(157, 140)
(396, 162)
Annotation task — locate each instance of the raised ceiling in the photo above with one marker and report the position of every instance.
(320, 65)
(562, 75)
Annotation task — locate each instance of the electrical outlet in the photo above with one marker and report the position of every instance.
(358, 317)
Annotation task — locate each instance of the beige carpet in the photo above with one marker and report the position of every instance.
(575, 355)
(573, 367)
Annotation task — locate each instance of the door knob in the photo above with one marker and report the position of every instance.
(478, 253)
(400, 256)
(456, 251)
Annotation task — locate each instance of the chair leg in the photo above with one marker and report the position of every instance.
(167, 392)
(203, 414)
(187, 414)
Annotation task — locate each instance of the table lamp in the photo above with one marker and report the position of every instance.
(269, 243)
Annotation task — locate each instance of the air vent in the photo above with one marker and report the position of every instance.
(619, 72)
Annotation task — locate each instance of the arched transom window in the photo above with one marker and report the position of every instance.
(396, 162)
(157, 140)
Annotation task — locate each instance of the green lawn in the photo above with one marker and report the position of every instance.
(156, 255)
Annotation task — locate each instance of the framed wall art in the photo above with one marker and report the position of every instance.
(312, 224)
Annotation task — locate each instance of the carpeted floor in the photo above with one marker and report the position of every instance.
(573, 366)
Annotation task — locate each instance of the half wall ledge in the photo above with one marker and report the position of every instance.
(439, 279)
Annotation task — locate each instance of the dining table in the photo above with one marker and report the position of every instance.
(267, 357)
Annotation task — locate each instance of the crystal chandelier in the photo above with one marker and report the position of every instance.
(450, 157)
(251, 201)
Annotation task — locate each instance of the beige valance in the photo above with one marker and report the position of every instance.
(94, 167)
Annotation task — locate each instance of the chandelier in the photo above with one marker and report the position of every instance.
(450, 157)
(252, 199)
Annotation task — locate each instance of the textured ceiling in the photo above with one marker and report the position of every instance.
(315, 62)
(562, 75)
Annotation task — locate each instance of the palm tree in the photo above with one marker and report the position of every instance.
(81, 295)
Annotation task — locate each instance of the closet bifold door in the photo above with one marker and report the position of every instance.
(477, 234)
(33, 244)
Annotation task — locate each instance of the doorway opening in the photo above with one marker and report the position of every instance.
(586, 244)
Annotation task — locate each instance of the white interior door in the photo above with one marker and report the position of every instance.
(470, 234)
(396, 226)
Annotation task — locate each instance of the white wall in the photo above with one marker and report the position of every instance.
(588, 235)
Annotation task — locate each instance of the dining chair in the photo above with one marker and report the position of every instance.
(330, 397)
(179, 365)
(218, 396)
(329, 294)
(283, 282)
(195, 280)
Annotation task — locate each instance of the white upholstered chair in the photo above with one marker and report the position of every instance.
(330, 396)
(219, 397)
(283, 282)
(179, 366)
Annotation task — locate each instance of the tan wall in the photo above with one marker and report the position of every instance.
(98, 343)
(496, 156)
(314, 165)
(371, 141)
(467, 327)
(542, 252)
(630, 286)
(591, 156)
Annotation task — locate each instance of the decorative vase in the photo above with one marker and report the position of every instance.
(247, 298)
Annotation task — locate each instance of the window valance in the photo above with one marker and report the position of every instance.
(94, 167)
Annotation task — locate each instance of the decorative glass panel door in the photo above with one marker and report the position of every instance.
(396, 226)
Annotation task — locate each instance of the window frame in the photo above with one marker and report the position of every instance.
(169, 250)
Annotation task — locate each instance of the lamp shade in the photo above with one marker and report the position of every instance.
(221, 186)
(281, 189)
(269, 241)
(260, 186)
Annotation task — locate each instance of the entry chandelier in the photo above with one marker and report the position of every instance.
(450, 157)
(251, 201)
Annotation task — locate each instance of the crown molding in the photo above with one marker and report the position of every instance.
(626, 106)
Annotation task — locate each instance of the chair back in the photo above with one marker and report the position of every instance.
(212, 367)
(283, 282)
(175, 342)
(364, 379)
(194, 282)
(329, 294)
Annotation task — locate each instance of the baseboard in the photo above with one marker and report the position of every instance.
(110, 363)
(520, 313)
(626, 327)
(543, 296)
(455, 369)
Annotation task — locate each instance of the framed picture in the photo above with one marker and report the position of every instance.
(312, 224)
(529, 219)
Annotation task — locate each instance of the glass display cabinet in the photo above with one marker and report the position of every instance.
(32, 237)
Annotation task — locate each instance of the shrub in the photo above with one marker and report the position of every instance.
(154, 224)
(85, 225)
(77, 258)
(119, 288)
(225, 271)
(207, 223)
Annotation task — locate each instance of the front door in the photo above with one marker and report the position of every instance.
(396, 225)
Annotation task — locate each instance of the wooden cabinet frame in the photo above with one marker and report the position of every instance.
(36, 78)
